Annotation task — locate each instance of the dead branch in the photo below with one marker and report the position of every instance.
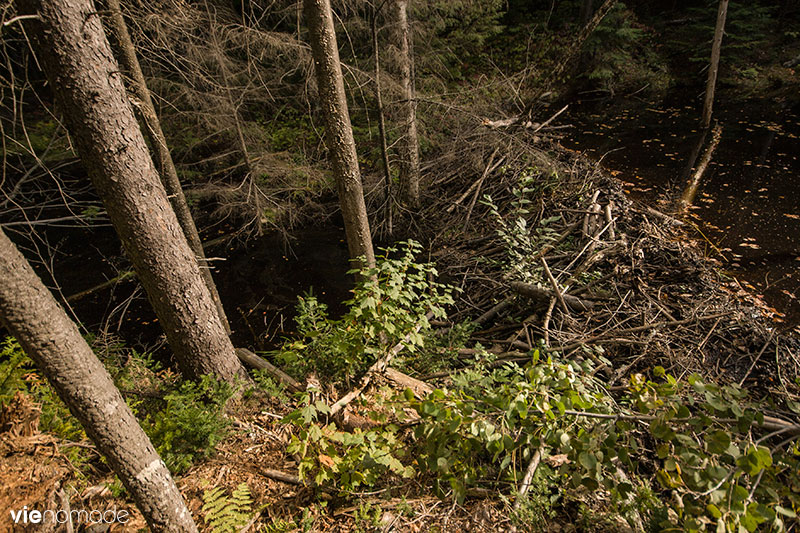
(544, 295)
(378, 366)
(254, 361)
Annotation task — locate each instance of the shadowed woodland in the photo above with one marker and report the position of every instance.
(393, 265)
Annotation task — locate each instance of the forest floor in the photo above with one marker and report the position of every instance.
(631, 290)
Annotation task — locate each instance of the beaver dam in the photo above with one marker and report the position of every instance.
(269, 268)
(560, 276)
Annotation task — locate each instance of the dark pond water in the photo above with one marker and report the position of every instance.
(259, 282)
(748, 206)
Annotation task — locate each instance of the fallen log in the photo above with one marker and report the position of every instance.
(419, 388)
(544, 295)
(252, 360)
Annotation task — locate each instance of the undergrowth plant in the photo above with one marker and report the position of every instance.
(388, 302)
(191, 422)
(18, 373)
(666, 454)
(521, 239)
(227, 513)
(716, 464)
(341, 459)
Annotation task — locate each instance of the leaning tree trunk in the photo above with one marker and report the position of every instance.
(163, 159)
(409, 143)
(387, 175)
(52, 340)
(338, 131)
(713, 68)
(85, 79)
(567, 59)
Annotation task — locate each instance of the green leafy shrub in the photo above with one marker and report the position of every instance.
(717, 466)
(388, 302)
(342, 459)
(191, 423)
(522, 241)
(266, 383)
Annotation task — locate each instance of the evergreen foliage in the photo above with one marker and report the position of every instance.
(190, 423)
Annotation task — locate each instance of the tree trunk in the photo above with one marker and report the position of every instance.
(690, 192)
(338, 131)
(387, 175)
(158, 143)
(52, 340)
(85, 80)
(713, 68)
(586, 12)
(409, 143)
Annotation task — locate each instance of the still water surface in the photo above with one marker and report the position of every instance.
(748, 206)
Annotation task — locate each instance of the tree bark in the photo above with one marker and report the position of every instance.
(52, 340)
(387, 176)
(86, 83)
(713, 68)
(338, 131)
(160, 151)
(409, 142)
(690, 192)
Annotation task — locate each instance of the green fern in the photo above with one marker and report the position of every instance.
(227, 514)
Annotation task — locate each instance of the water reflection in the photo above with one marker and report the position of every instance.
(748, 204)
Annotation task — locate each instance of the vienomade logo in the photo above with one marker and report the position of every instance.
(75, 516)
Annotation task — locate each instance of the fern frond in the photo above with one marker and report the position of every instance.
(224, 513)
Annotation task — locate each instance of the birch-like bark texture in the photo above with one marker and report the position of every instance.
(30, 313)
(88, 87)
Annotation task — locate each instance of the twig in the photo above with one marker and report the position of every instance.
(611, 233)
(755, 361)
(378, 366)
(589, 212)
(637, 329)
(532, 291)
(127, 275)
(553, 283)
(551, 119)
(476, 183)
(546, 324)
(529, 473)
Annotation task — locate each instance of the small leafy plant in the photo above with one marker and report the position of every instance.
(18, 373)
(522, 241)
(191, 423)
(342, 459)
(388, 302)
(225, 513)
